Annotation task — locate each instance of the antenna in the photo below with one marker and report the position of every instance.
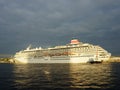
(29, 47)
(74, 37)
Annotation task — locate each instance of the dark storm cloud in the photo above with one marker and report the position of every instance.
(53, 22)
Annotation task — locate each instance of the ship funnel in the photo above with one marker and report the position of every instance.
(74, 41)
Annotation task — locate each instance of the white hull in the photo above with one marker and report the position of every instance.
(49, 60)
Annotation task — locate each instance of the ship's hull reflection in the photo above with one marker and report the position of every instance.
(64, 76)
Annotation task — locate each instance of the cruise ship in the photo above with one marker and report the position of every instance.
(73, 52)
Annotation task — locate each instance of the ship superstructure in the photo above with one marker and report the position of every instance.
(74, 52)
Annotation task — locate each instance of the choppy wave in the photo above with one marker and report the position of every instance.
(59, 76)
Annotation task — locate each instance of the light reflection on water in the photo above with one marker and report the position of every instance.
(63, 76)
(91, 76)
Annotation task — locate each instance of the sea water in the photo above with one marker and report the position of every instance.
(104, 76)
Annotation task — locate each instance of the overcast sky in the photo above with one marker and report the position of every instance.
(55, 22)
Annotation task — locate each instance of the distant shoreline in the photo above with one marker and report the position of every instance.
(112, 59)
(5, 60)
